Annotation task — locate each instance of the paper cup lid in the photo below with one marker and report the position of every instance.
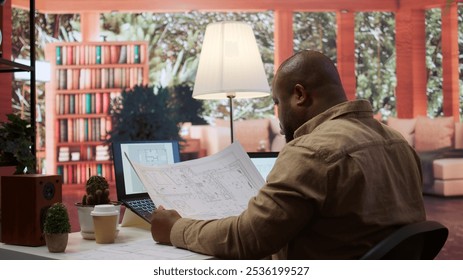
(104, 210)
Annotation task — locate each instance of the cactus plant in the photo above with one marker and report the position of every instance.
(97, 191)
(57, 219)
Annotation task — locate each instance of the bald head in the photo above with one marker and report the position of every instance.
(305, 85)
(313, 70)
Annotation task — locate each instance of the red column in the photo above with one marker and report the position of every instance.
(451, 86)
(411, 99)
(283, 36)
(90, 26)
(6, 78)
(346, 51)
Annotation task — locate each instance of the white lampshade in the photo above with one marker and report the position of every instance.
(230, 64)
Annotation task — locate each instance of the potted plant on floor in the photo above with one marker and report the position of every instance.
(56, 228)
(96, 193)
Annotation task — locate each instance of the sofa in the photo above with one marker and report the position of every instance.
(439, 144)
(256, 135)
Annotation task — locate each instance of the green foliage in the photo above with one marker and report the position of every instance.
(15, 142)
(434, 90)
(49, 28)
(315, 31)
(375, 54)
(142, 114)
(174, 41)
(57, 219)
(188, 109)
(97, 191)
(175, 45)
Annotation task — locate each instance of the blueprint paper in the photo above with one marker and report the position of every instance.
(212, 187)
(144, 249)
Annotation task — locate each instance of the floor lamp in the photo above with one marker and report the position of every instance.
(230, 65)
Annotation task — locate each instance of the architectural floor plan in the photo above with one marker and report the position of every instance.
(212, 187)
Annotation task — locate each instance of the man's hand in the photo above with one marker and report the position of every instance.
(162, 221)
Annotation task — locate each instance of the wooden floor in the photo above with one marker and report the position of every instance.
(448, 211)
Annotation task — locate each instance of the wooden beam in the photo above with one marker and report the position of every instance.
(90, 26)
(6, 88)
(450, 52)
(163, 6)
(426, 4)
(283, 36)
(411, 97)
(346, 52)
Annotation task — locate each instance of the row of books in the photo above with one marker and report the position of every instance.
(83, 153)
(85, 103)
(100, 54)
(79, 173)
(97, 78)
(85, 129)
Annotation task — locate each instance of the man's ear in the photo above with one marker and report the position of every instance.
(301, 94)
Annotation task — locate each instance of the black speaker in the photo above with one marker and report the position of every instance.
(25, 201)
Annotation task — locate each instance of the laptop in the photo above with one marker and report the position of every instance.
(130, 190)
(263, 161)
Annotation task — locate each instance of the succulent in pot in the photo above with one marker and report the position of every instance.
(56, 228)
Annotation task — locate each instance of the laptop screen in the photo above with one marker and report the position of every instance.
(263, 161)
(144, 152)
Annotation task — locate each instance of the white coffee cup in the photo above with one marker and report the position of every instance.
(105, 223)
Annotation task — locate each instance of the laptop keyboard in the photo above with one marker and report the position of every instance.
(143, 207)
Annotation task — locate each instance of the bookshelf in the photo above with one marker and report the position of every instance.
(85, 78)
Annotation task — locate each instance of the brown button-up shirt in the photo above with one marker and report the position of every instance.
(343, 184)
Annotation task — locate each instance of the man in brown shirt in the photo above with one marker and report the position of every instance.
(342, 183)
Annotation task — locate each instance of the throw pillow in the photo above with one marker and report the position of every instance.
(458, 135)
(433, 134)
(406, 127)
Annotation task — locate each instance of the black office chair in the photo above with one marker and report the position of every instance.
(419, 241)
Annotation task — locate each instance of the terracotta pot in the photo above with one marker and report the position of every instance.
(56, 242)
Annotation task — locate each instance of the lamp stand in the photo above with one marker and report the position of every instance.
(230, 97)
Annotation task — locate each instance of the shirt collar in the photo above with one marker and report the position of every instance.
(358, 107)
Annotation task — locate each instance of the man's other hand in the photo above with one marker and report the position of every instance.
(162, 221)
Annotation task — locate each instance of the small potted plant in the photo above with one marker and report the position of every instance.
(56, 228)
(96, 193)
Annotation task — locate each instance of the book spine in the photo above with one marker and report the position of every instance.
(86, 129)
(98, 54)
(136, 53)
(88, 103)
(72, 104)
(59, 56)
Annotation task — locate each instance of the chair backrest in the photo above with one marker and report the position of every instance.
(418, 241)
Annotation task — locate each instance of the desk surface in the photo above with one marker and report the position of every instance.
(131, 243)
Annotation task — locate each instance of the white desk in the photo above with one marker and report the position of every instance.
(131, 243)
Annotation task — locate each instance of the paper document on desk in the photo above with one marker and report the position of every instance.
(212, 187)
